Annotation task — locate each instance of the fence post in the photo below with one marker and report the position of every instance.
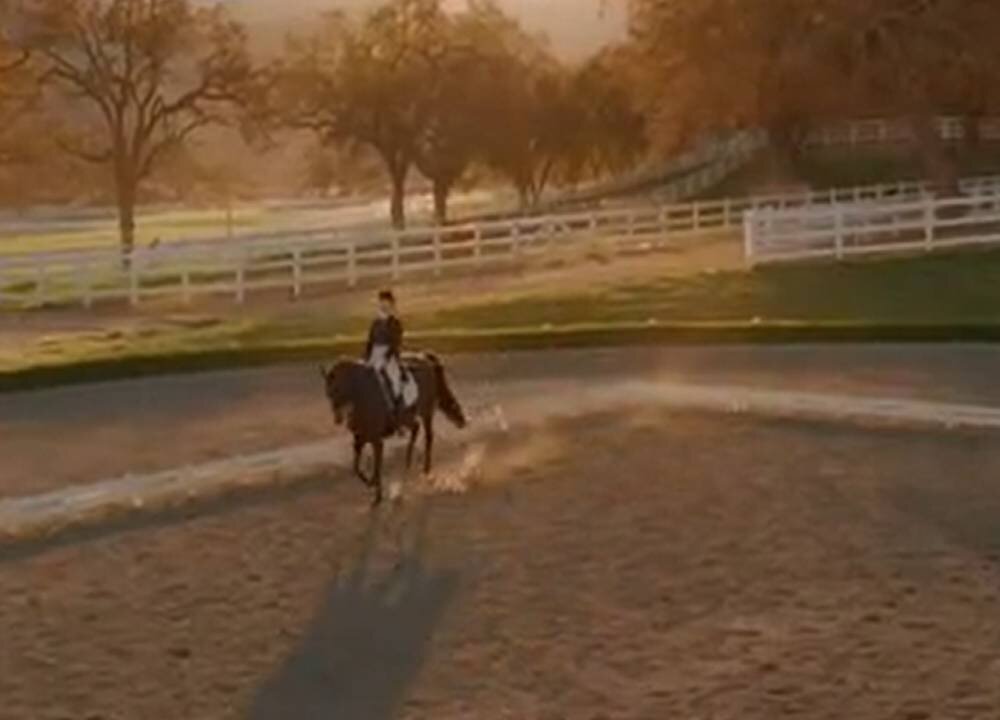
(515, 239)
(696, 215)
(929, 224)
(395, 256)
(41, 284)
(297, 273)
(748, 236)
(240, 278)
(838, 231)
(437, 251)
(133, 278)
(663, 219)
(86, 286)
(352, 264)
(727, 213)
(186, 285)
(477, 244)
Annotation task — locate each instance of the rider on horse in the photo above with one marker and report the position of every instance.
(385, 343)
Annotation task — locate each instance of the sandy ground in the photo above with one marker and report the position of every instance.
(86, 434)
(639, 565)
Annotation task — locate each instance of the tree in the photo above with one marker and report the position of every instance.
(319, 171)
(450, 135)
(363, 83)
(539, 132)
(787, 64)
(138, 76)
(716, 65)
(614, 124)
(345, 169)
(18, 99)
(460, 94)
(919, 59)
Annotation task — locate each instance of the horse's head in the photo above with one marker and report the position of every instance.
(336, 381)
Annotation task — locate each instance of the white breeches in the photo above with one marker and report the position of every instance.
(401, 386)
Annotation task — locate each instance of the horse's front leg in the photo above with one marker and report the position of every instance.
(428, 444)
(377, 446)
(414, 431)
(359, 446)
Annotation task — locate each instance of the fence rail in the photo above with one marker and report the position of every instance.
(877, 131)
(296, 261)
(875, 225)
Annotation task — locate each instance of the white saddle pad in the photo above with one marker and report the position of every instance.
(410, 391)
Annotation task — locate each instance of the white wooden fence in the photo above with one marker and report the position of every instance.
(878, 131)
(692, 172)
(875, 224)
(297, 261)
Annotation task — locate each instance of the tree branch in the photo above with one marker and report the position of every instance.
(96, 157)
(17, 63)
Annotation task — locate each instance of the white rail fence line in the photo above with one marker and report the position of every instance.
(878, 226)
(878, 131)
(699, 169)
(296, 261)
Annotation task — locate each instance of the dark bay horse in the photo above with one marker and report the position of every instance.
(357, 399)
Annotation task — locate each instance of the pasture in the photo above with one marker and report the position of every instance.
(53, 230)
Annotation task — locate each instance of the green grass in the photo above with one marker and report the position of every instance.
(167, 226)
(937, 298)
(938, 289)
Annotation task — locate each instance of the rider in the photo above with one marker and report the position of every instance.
(385, 342)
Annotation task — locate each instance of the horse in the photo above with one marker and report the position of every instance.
(357, 398)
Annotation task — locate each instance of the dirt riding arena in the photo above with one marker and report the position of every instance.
(626, 564)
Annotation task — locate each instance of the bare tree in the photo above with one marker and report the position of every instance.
(138, 76)
(362, 83)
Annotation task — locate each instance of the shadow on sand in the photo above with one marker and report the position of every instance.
(367, 641)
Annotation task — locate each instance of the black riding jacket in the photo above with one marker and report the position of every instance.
(386, 331)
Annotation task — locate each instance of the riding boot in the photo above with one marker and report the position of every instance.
(398, 411)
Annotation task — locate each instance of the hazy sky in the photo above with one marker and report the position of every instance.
(576, 27)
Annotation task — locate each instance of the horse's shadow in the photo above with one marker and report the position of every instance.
(366, 644)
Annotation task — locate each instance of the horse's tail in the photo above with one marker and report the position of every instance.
(447, 402)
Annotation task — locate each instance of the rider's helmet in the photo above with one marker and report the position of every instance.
(386, 298)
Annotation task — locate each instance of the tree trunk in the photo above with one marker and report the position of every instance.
(442, 189)
(524, 197)
(125, 190)
(398, 200)
(787, 140)
(939, 164)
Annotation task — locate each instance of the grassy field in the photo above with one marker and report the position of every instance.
(39, 234)
(935, 298)
(35, 233)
